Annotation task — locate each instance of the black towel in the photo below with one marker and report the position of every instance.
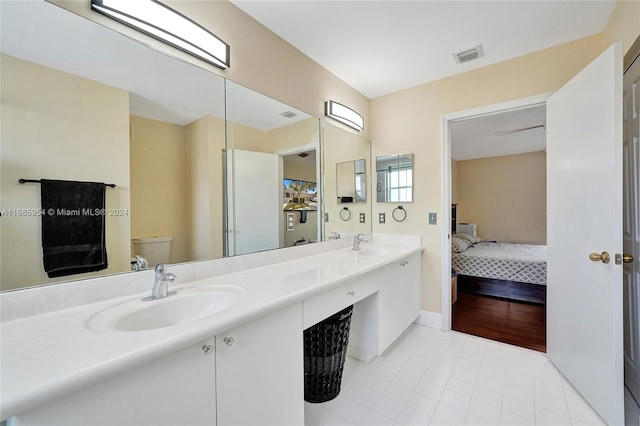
(73, 227)
(303, 216)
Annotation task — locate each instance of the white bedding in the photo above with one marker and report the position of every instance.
(513, 262)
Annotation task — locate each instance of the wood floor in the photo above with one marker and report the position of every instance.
(516, 323)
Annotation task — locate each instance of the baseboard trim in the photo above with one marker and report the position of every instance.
(360, 354)
(430, 319)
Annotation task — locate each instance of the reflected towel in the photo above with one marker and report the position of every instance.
(303, 216)
(73, 227)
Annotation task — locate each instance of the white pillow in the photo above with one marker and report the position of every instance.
(468, 238)
(458, 245)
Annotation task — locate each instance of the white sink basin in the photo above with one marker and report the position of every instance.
(373, 252)
(189, 304)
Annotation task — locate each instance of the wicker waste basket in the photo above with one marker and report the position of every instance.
(325, 349)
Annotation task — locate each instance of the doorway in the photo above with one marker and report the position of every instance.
(447, 121)
(498, 188)
(300, 222)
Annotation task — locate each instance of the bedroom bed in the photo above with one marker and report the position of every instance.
(510, 271)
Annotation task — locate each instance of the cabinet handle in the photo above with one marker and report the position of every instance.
(228, 341)
(207, 349)
(351, 293)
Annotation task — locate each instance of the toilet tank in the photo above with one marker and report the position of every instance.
(156, 250)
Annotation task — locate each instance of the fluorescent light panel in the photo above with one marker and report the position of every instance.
(165, 24)
(344, 114)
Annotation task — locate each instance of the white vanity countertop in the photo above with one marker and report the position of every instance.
(48, 356)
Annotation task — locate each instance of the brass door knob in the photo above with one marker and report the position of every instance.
(627, 258)
(603, 257)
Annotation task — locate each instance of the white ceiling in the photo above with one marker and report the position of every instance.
(512, 132)
(380, 47)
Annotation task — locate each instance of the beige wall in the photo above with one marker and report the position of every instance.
(158, 181)
(205, 188)
(623, 25)
(59, 126)
(412, 124)
(506, 196)
(177, 185)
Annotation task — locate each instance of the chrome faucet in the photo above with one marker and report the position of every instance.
(357, 239)
(161, 284)
(334, 236)
(139, 264)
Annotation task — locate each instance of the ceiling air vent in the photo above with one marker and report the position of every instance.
(468, 54)
(288, 114)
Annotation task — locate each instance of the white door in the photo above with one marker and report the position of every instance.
(631, 227)
(584, 196)
(254, 213)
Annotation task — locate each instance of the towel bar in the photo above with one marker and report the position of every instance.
(110, 185)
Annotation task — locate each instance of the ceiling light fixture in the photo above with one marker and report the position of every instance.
(344, 114)
(167, 25)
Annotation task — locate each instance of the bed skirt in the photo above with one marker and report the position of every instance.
(511, 290)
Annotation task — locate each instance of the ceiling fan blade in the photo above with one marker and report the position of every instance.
(507, 132)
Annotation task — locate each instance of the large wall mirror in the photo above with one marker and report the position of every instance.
(152, 125)
(394, 178)
(347, 178)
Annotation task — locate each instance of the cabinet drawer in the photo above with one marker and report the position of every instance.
(326, 304)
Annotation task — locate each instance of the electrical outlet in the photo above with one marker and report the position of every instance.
(433, 218)
(290, 222)
(362, 218)
(381, 218)
(326, 217)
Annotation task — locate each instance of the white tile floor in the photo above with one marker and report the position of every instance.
(430, 377)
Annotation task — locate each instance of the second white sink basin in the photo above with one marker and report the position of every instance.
(189, 304)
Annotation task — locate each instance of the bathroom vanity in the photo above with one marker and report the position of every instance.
(226, 349)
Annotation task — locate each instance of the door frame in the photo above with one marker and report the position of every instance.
(313, 146)
(446, 121)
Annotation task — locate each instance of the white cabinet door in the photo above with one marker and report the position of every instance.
(178, 389)
(410, 270)
(390, 306)
(260, 378)
(399, 299)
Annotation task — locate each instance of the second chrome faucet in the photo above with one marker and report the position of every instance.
(357, 240)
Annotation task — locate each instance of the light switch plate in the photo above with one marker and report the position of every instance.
(433, 218)
(381, 218)
(326, 217)
(362, 218)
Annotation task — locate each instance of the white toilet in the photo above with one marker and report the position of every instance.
(156, 250)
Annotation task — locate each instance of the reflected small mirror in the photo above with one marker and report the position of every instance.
(394, 174)
(351, 181)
